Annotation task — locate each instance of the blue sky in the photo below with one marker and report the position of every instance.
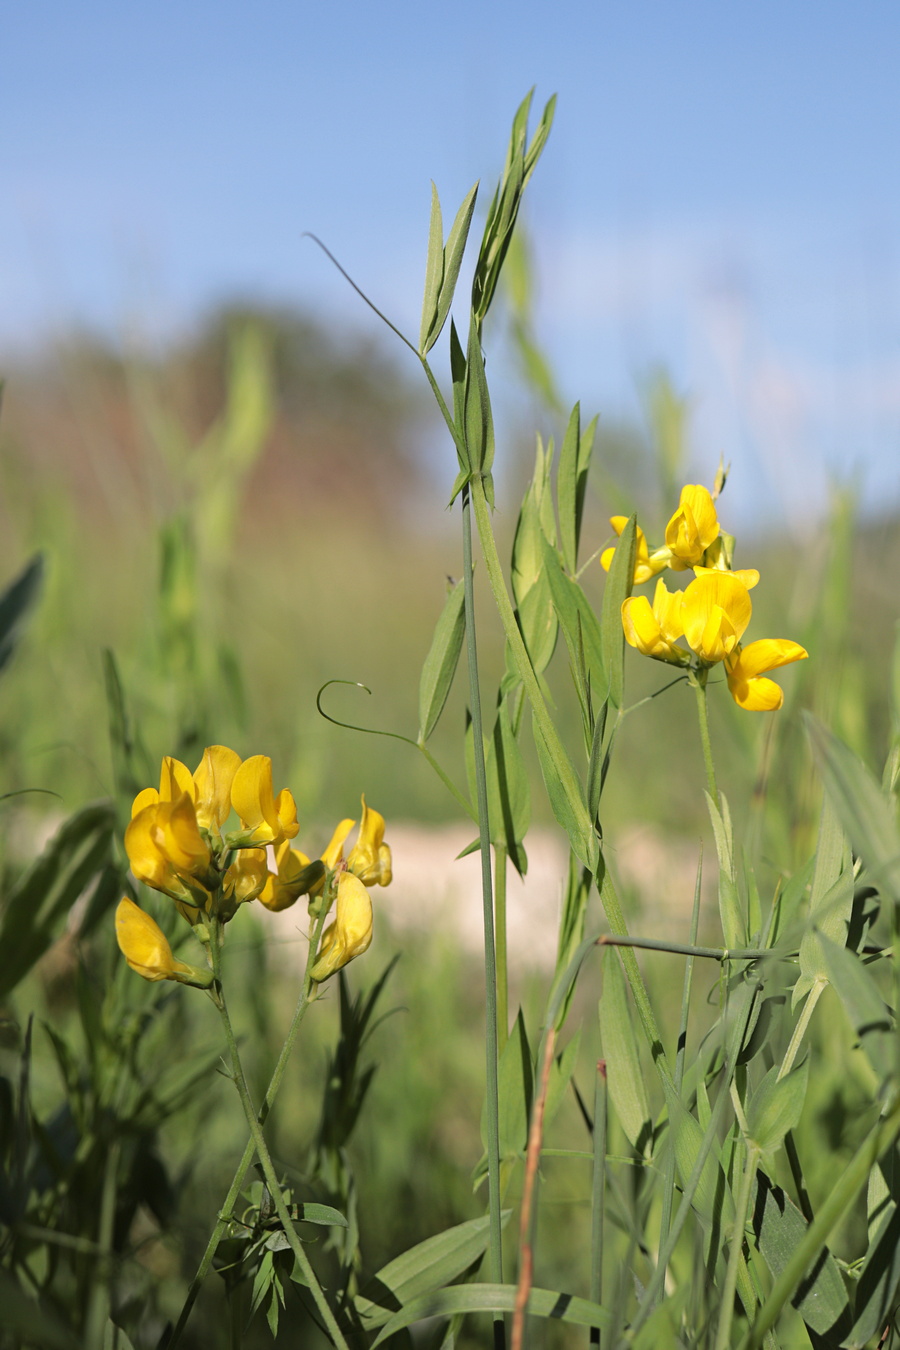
(719, 194)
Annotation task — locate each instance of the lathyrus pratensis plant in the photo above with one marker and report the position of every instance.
(720, 1217)
(179, 843)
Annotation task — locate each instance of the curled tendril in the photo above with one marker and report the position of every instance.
(353, 726)
(308, 234)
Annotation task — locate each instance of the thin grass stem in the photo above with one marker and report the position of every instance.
(500, 874)
(528, 1215)
(490, 960)
(262, 1151)
(698, 680)
(598, 1193)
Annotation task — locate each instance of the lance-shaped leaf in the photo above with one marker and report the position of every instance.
(504, 207)
(879, 1276)
(624, 1075)
(427, 1266)
(441, 661)
(38, 905)
(820, 1299)
(580, 629)
(474, 1298)
(442, 267)
(864, 811)
(866, 1010)
(775, 1107)
(570, 811)
(534, 604)
(479, 422)
(571, 484)
(830, 900)
(734, 926)
(509, 796)
(16, 602)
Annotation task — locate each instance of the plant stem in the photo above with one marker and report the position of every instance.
(265, 1159)
(598, 1193)
(735, 1251)
(568, 779)
(500, 873)
(527, 1222)
(237, 1182)
(490, 962)
(698, 680)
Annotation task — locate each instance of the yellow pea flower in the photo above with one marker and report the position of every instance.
(350, 934)
(285, 886)
(147, 951)
(246, 876)
(265, 818)
(693, 527)
(212, 780)
(646, 565)
(370, 857)
(715, 610)
(335, 850)
(746, 667)
(655, 630)
(145, 844)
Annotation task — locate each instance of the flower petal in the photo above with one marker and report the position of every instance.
(716, 610)
(757, 694)
(694, 525)
(144, 944)
(212, 782)
(351, 932)
(766, 654)
(253, 799)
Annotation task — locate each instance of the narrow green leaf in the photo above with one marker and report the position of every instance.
(571, 815)
(475, 1298)
(434, 271)
(624, 1074)
(579, 625)
(426, 1266)
(879, 1279)
(712, 1200)
(441, 661)
(321, 1214)
(830, 901)
(509, 796)
(38, 905)
(453, 256)
(567, 490)
(821, 1298)
(867, 1011)
(776, 1106)
(864, 811)
(479, 422)
(734, 927)
(516, 1086)
(16, 602)
(619, 585)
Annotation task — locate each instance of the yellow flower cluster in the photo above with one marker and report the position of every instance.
(177, 843)
(712, 613)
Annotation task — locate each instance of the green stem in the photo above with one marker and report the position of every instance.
(490, 962)
(566, 775)
(680, 1051)
(262, 1150)
(500, 872)
(735, 1251)
(598, 1192)
(800, 1029)
(698, 680)
(243, 1166)
(98, 1307)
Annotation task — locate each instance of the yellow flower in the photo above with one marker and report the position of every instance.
(246, 875)
(655, 631)
(281, 889)
(266, 819)
(746, 667)
(335, 850)
(692, 529)
(350, 933)
(370, 857)
(145, 948)
(212, 780)
(715, 610)
(645, 565)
